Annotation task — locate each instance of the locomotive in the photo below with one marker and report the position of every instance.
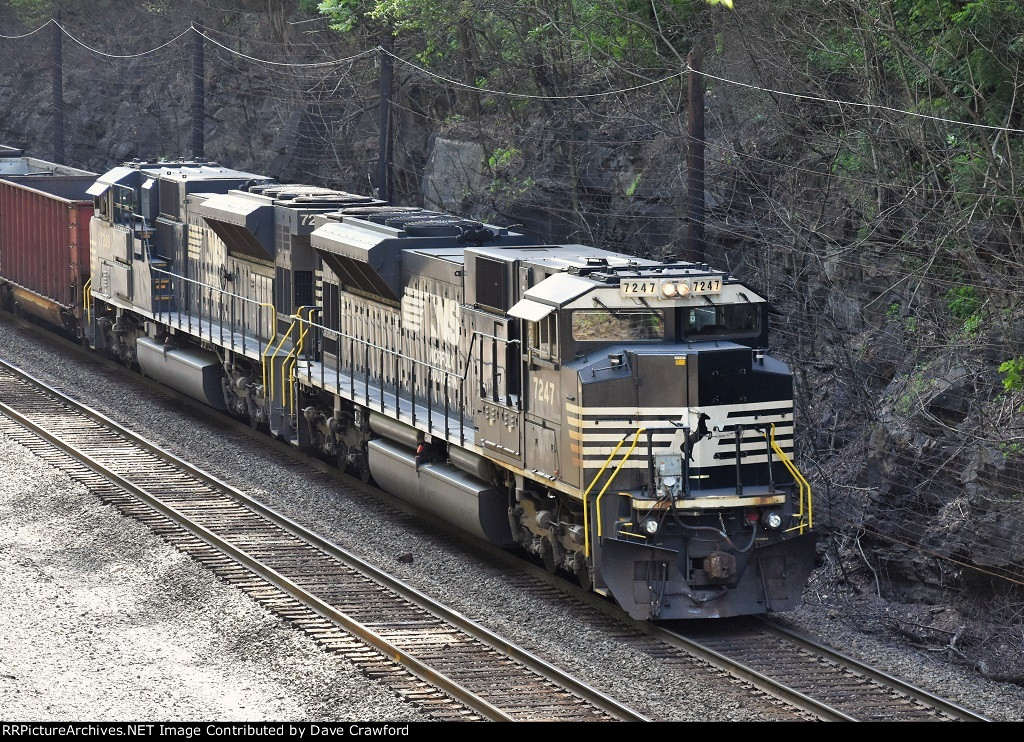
(617, 418)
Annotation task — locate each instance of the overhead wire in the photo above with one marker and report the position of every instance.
(686, 70)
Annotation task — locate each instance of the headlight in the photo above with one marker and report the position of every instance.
(649, 526)
(670, 289)
(772, 518)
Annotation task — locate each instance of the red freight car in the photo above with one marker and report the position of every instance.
(44, 237)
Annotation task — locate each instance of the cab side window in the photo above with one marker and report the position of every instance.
(102, 205)
(543, 337)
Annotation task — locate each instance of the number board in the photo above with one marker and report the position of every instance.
(710, 285)
(638, 287)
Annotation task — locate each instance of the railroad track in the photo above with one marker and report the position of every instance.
(449, 666)
(801, 671)
(808, 679)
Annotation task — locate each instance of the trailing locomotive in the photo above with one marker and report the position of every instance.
(617, 418)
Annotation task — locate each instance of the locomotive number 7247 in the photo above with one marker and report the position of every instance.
(638, 288)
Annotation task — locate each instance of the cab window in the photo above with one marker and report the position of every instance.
(724, 319)
(543, 337)
(618, 325)
(102, 205)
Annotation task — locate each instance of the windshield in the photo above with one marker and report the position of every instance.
(618, 325)
(725, 319)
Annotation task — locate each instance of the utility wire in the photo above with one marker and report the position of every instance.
(527, 96)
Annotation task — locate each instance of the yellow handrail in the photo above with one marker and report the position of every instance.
(802, 484)
(597, 505)
(263, 355)
(285, 336)
(87, 301)
(586, 528)
(292, 362)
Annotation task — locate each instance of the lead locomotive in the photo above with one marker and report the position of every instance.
(616, 417)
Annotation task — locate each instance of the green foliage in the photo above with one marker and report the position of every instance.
(972, 324)
(963, 301)
(851, 159)
(1013, 374)
(837, 53)
(605, 31)
(965, 304)
(32, 9)
(966, 158)
(400, 15)
(511, 188)
(893, 315)
(40, 11)
(500, 163)
(990, 34)
(972, 44)
(501, 158)
(915, 387)
(345, 14)
(1011, 449)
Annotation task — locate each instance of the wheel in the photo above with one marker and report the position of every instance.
(548, 557)
(253, 411)
(583, 575)
(341, 457)
(362, 469)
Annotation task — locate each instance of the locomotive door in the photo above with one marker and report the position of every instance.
(498, 418)
(542, 420)
(544, 406)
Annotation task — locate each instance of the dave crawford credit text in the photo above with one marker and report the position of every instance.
(188, 731)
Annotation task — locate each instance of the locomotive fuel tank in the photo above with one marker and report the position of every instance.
(443, 490)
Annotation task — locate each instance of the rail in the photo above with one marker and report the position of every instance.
(292, 361)
(615, 473)
(476, 667)
(239, 323)
(268, 391)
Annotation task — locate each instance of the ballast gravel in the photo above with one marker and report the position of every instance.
(108, 622)
(103, 621)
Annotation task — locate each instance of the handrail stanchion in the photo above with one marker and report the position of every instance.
(412, 389)
(803, 486)
(586, 492)
(597, 505)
